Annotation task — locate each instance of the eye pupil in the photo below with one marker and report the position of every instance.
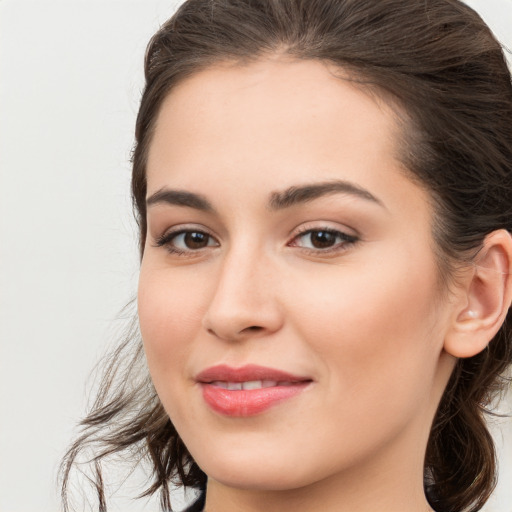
(195, 240)
(322, 239)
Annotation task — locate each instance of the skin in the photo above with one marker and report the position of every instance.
(366, 321)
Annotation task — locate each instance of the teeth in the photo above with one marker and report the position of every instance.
(220, 384)
(253, 384)
(250, 384)
(258, 384)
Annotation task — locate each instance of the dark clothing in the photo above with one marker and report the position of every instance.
(198, 505)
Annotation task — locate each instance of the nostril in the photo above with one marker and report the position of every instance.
(232, 330)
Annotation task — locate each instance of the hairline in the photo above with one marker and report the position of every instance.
(405, 132)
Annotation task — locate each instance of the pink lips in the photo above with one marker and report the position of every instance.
(248, 390)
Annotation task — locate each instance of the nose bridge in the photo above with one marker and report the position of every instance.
(244, 300)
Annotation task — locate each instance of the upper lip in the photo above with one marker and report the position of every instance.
(246, 373)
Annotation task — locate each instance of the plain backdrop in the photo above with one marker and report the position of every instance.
(70, 83)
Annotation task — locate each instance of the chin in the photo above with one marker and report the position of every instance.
(258, 469)
(257, 479)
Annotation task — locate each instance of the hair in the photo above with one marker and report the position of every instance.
(440, 64)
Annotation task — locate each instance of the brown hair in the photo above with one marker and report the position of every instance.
(441, 64)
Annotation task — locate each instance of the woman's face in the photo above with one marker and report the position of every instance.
(289, 299)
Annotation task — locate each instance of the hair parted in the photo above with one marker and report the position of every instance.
(441, 65)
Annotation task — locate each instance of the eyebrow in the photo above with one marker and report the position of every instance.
(302, 194)
(180, 198)
(287, 198)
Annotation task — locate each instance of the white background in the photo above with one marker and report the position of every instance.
(70, 82)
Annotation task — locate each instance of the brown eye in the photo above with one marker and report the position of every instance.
(186, 241)
(322, 239)
(195, 240)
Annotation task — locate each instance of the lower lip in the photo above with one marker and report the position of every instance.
(243, 403)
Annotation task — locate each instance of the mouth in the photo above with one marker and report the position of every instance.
(249, 390)
(250, 384)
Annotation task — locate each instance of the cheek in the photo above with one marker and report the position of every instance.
(170, 312)
(376, 331)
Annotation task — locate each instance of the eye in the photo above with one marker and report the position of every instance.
(323, 240)
(186, 241)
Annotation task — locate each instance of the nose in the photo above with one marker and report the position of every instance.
(244, 303)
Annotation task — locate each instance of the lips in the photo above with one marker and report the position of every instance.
(249, 390)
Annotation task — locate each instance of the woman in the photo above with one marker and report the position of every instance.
(323, 193)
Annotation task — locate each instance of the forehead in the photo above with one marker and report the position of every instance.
(275, 123)
(270, 106)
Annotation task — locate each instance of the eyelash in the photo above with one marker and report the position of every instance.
(167, 238)
(346, 241)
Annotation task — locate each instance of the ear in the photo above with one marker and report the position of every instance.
(484, 299)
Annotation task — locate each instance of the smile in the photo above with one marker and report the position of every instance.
(247, 391)
(251, 384)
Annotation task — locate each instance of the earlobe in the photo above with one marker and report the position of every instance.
(485, 298)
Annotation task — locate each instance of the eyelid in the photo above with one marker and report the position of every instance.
(348, 239)
(323, 225)
(168, 235)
